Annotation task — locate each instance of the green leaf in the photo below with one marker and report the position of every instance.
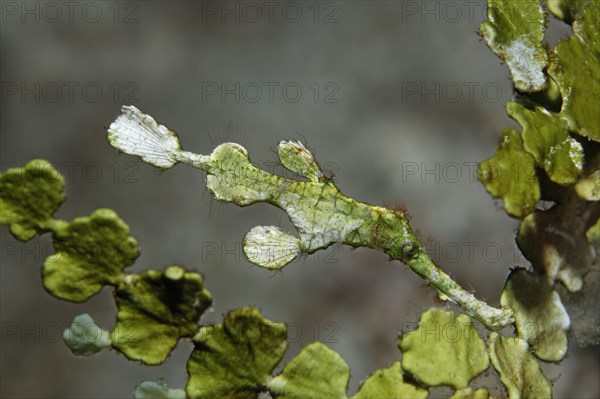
(541, 318)
(518, 370)
(575, 68)
(389, 383)
(156, 309)
(90, 252)
(555, 240)
(235, 359)
(593, 233)
(468, 393)
(514, 31)
(29, 197)
(155, 390)
(546, 137)
(84, 337)
(588, 187)
(317, 372)
(510, 175)
(568, 10)
(444, 350)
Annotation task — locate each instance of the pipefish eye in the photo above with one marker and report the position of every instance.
(408, 249)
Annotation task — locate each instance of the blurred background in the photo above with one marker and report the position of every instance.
(400, 100)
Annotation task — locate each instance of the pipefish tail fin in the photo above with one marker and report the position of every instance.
(136, 133)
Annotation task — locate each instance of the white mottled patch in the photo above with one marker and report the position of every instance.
(151, 389)
(84, 337)
(576, 153)
(524, 66)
